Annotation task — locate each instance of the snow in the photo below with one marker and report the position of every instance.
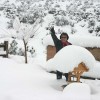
(16, 24)
(71, 59)
(23, 31)
(24, 82)
(19, 81)
(48, 19)
(70, 56)
(32, 81)
(77, 91)
(79, 40)
(3, 20)
(94, 72)
(2, 52)
(4, 32)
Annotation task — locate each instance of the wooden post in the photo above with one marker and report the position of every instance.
(5, 48)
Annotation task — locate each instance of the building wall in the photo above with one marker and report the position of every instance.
(51, 51)
(95, 51)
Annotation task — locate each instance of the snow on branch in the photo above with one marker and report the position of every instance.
(25, 31)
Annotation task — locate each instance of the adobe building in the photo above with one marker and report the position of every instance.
(91, 43)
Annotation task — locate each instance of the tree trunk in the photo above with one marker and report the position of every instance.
(25, 44)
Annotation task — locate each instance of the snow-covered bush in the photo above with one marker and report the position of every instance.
(16, 50)
(27, 11)
(13, 47)
(52, 11)
(90, 29)
(10, 24)
(20, 52)
(1, 7)
(73, 30)
(10, 10)
(97, 29)
(61, 21)
(31, 50)
(91, 23)
(67, 59)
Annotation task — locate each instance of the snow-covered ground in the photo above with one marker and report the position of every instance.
(19, 81)
(32, 81)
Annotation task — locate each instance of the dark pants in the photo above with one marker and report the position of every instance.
(59, 75)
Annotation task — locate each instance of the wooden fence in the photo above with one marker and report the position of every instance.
(4, 49)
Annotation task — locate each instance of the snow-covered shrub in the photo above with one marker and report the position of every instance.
(25, 10)
(91, 23)
(31, 50)
(98, 18)
(73, 30)
(60, 12)
(61, 21)
(13, 47)
(52, 11)
(97, 29)
(10, 11)
(90, 29)
(1, 8)
(71, 24)
(20, 52)
(15, 50)
(97, 10)
(10, 24)
(85, 15)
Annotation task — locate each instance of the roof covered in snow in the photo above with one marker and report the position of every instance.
(84, 41)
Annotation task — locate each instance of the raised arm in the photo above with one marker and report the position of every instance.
(54, 37)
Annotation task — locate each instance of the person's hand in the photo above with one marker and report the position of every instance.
(52, 30)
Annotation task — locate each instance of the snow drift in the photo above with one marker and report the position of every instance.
(76, 91)
(69, 57)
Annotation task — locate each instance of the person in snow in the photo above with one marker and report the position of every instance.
(59, 44)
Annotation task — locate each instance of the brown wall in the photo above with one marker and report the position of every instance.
(51, 50)
(96, 52)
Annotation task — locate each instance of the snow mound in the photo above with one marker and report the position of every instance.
(7, 60)
(94, 86)
(48, 66)
(70, 56)
(76, 91)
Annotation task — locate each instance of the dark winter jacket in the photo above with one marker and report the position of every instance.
(57, 42)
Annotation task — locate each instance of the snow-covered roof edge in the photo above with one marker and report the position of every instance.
(84, 41)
